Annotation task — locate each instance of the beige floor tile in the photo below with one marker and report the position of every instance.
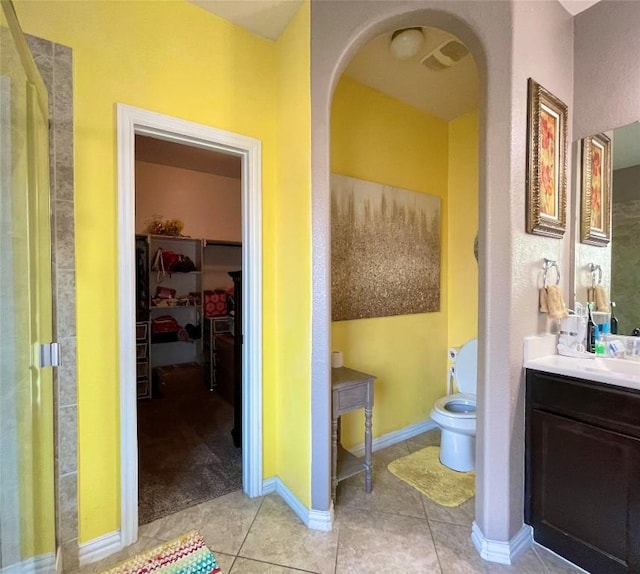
(429, 438)
(463, 514)
(394, 529)
(389, 494)
(225, 561)
(384, 456)
(223, 522)
(377, 542)
(458, 555)
(278, 536)
(555, 564)
(246, 566)
(151, 529)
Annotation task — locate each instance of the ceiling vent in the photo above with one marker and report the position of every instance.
(445, 55)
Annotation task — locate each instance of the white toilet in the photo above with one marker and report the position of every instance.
(456, 414)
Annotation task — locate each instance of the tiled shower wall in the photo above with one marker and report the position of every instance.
(625, 261)
(54, 62)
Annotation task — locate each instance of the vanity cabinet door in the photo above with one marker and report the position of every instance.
(583, 492)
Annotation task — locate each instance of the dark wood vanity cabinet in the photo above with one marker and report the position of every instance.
(582, 471)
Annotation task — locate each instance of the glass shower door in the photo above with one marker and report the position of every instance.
(27, 504)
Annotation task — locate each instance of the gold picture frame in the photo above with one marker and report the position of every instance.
(546, 180)
(595, 203)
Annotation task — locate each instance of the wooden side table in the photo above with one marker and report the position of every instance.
(350, 390)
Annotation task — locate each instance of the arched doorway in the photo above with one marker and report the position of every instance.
(486, 29)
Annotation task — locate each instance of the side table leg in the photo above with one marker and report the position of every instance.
(367, 449)
(334, 458)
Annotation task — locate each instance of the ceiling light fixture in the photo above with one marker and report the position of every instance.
(406, 42)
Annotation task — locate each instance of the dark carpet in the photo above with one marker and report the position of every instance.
(185, 452)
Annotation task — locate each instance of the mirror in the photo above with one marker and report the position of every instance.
(625, 227)
(620, 259)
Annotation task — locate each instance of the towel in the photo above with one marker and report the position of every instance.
(555, 303)
(544, 308)
(601, 299)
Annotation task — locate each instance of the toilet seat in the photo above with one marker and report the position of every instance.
(466, 368)
(457, 406)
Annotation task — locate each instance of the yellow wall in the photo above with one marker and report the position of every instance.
(176, 59)
(463, 223)
(293, 267)
(377, 138)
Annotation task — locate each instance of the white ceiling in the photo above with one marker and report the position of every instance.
(576, 6)
(446, 94)
(154, 150)
(266, 18)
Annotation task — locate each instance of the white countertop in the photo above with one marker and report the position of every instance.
(610, 371)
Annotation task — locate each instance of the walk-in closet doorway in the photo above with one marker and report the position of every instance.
(188, 248)
(210, 255)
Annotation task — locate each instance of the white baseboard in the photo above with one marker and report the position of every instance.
(100, 547)
(499, 551)
(394, 437)
(269, 485)
(313, 519)
(43, 564)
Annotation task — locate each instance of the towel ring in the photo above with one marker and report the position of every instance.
(546, 266)
(595, 269)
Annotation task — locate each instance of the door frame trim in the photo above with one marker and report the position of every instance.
(132, 121)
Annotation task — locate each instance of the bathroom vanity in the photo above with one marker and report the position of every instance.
(582, 461)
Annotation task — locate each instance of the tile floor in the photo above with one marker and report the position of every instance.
(394, 529)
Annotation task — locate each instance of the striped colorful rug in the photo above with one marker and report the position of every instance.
(187, 554)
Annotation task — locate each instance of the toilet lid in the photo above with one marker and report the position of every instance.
(466, 367)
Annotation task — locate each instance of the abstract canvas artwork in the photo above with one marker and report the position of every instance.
(385, 250)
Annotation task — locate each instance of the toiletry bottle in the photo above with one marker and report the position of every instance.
(600, 347)
(591, 333)
(614, 321)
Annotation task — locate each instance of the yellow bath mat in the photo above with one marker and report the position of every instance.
(424, 471)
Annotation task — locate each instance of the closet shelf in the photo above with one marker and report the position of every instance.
(170, 238)
(222, 243)
(167, 338)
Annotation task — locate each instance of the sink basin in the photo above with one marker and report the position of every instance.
(607, 370)
(611, 365)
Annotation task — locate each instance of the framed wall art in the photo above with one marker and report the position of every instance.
(385, 250)
(546, 180)
(595, 203)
